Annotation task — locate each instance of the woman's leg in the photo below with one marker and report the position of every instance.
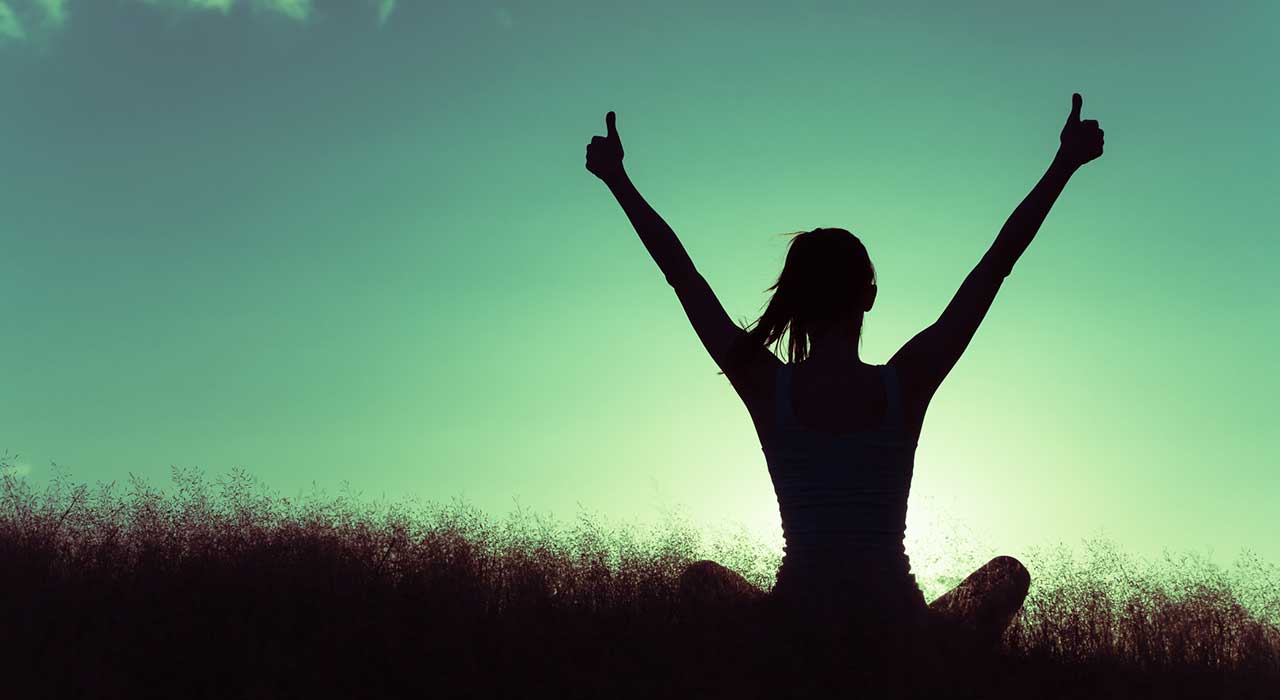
(705, 583)
(984, 604)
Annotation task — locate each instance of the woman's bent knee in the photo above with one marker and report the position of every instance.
(705, 581)
(701, 574)
(1010, 572)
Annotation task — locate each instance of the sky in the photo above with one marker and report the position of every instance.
(355, 242)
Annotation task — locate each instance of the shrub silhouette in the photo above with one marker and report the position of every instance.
(222, 590)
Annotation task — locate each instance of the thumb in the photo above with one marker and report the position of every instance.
(1076, 101)
(610, 121)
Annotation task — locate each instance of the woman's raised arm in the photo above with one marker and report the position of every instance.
(715, 329)
(604, 160)
(924, 361)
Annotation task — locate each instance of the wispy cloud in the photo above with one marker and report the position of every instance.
(55, 11)
(18, 17)
(10, 25)
(223, 6)
(294, 9)
(384, 9)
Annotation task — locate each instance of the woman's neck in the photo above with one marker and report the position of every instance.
(837, 347)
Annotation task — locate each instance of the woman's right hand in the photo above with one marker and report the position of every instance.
(604, 153)
(1081, 140)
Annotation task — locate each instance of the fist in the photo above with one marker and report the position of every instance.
(604, 153)
(1081, 140)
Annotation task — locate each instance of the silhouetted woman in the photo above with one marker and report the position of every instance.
(838, 434)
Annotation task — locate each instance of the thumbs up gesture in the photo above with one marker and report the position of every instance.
(1081, 141)
(604, 153)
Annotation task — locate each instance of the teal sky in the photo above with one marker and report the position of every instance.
(355, 241)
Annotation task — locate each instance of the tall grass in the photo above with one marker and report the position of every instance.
(224, 590)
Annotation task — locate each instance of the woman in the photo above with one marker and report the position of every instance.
(838, 434)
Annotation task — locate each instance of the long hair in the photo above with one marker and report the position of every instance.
(826, 273)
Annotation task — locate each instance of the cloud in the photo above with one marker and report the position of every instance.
(384, 9)
(17, 17)
(55, 11)
(223, 6)
(294, 9)
(10, 25)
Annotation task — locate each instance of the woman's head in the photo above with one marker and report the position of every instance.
(826, 284)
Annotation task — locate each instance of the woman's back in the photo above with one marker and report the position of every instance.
(842, 495)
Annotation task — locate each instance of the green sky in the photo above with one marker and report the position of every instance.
(332, 241)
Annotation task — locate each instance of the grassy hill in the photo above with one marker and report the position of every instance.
(222, 590)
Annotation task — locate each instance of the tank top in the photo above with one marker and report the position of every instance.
(843, 502)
